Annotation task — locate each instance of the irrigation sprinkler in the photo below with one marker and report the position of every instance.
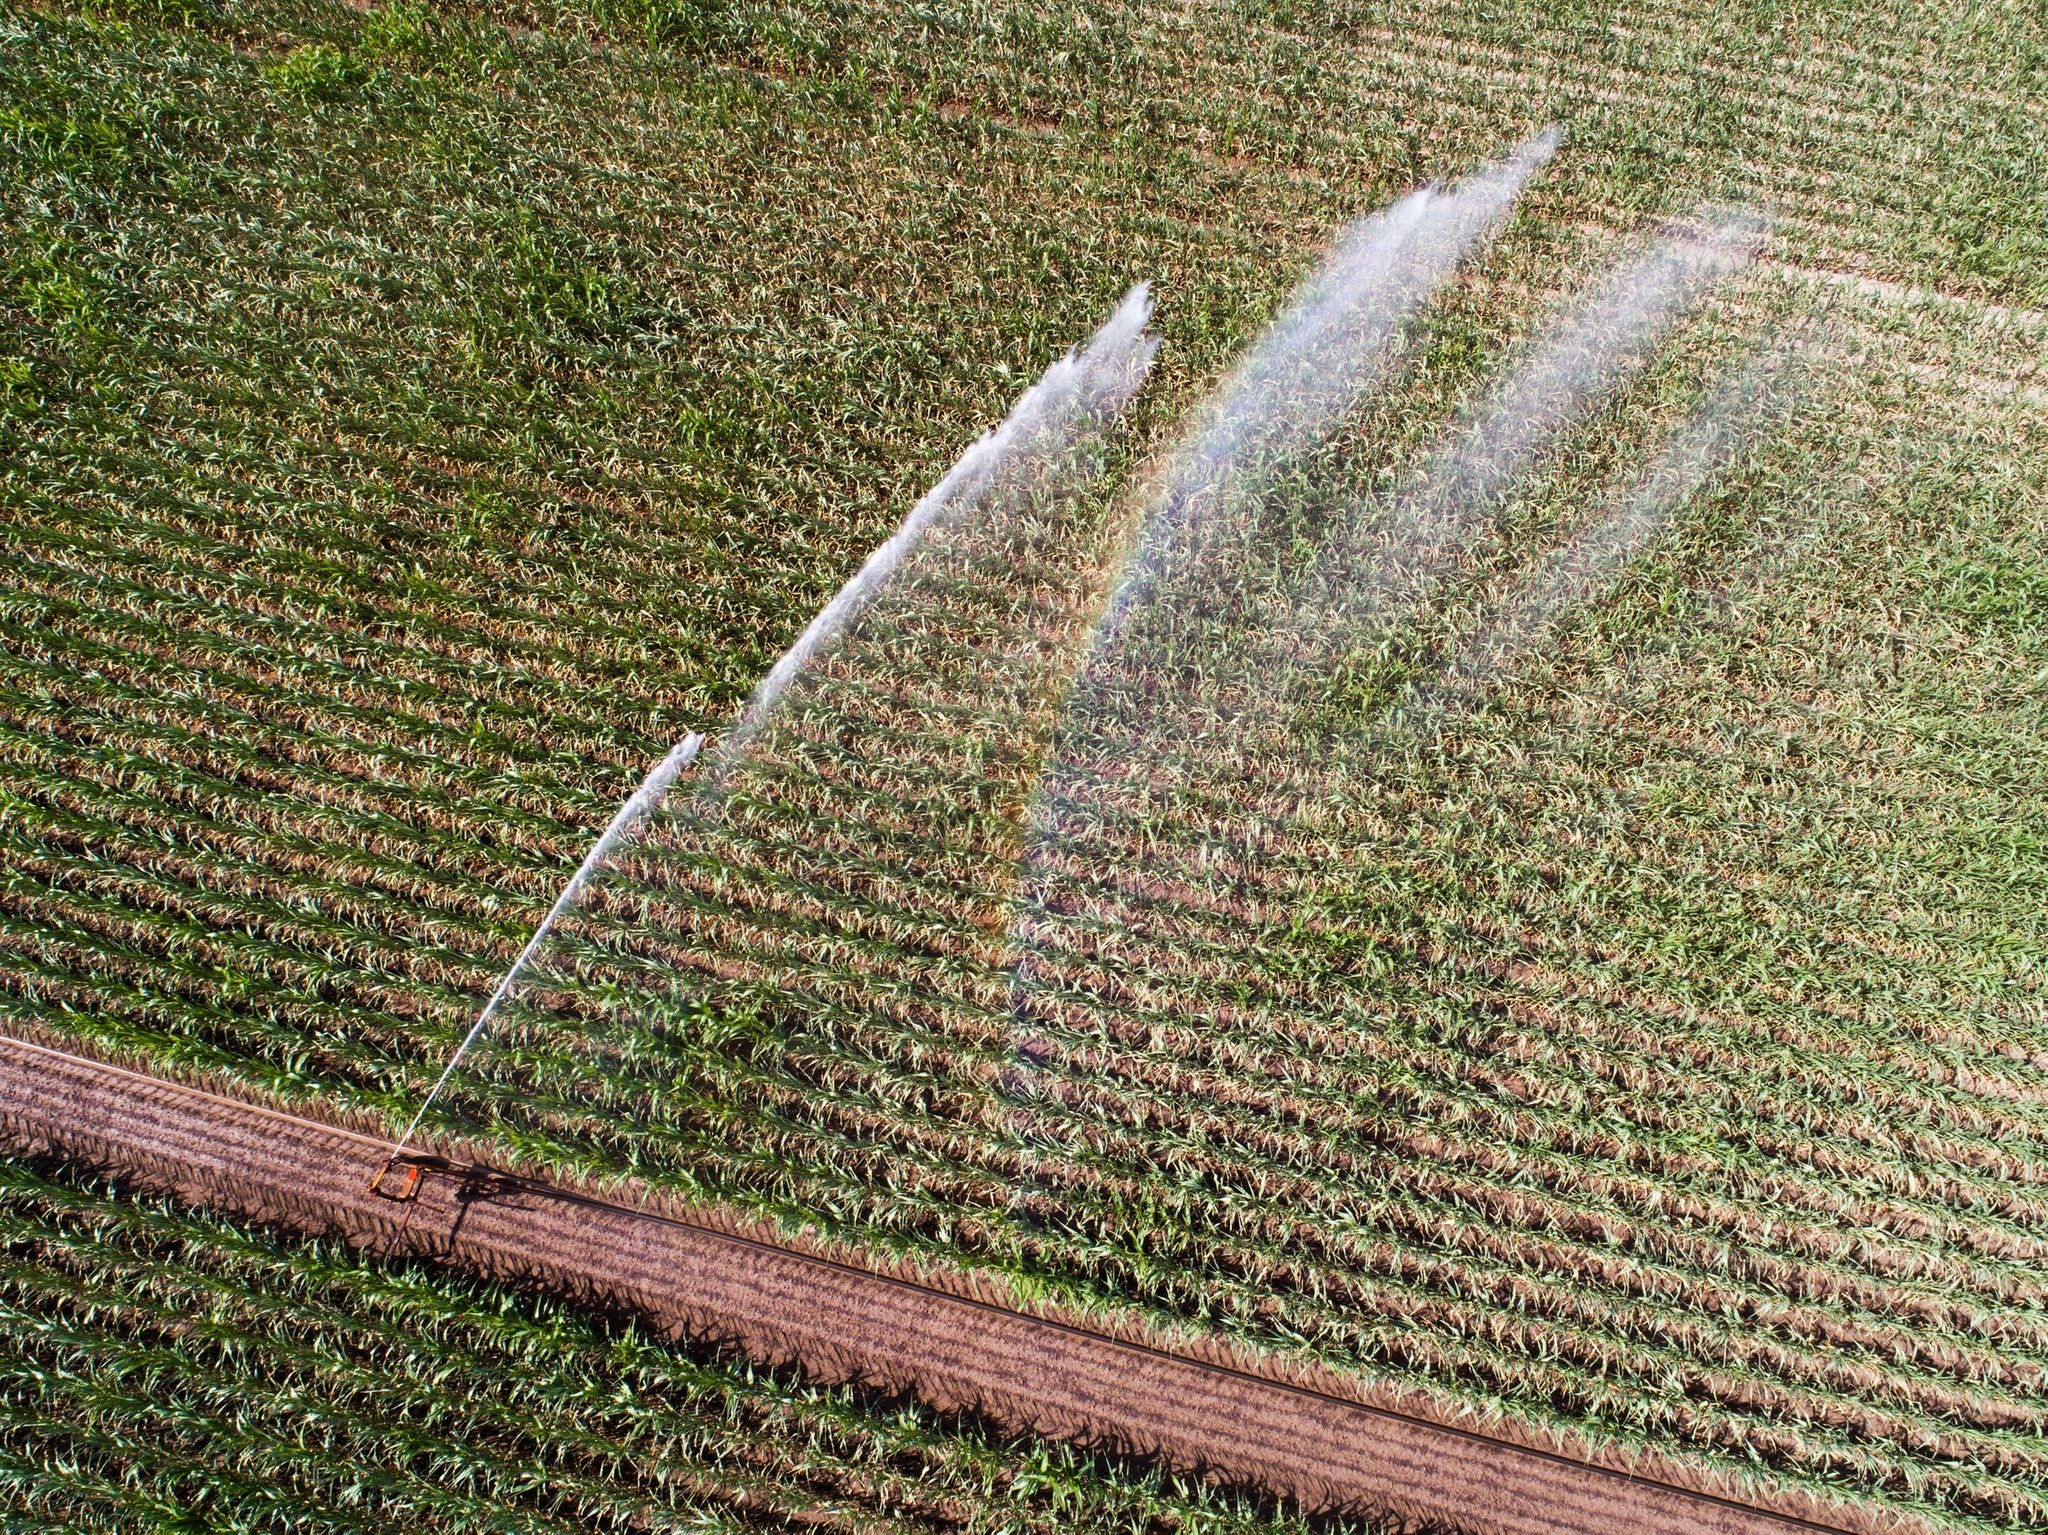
(405, 1190)
(1094, 380)
(643, 803)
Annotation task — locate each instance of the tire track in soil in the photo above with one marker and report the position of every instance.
(835, 1321)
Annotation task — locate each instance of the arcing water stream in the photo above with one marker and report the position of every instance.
(1312, 364)
(864, 769)
(1365, 568)
(1193, 689)
(1177, 613)
(1576, 571)
(1080, 394)
(1081, 387)
(641, 804)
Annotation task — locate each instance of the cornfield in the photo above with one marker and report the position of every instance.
(413, 421)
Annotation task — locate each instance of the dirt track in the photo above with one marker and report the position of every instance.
(835, 1321)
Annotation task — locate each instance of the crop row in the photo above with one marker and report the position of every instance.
(421, 634)
(307, 1388)
(1170, 1053)
(1651, 1047)
(1824, 152)
(413, 797)
(1195, 941)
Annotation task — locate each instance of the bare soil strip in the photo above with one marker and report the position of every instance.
(834, 1321)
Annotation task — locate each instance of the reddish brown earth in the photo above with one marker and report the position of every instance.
(834, 1320)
